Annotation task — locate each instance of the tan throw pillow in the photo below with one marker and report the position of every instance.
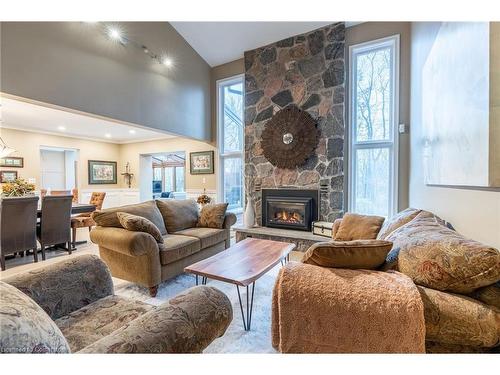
(148, 210)
(437, 257)
(178, 214)
(212, 215)
(139, 224)
(366, 254)
(358, 227)
(398, 220)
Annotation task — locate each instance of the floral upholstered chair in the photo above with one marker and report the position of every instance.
(84, 220)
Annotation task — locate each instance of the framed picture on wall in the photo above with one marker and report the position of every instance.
(14, 162)
(7, 176)
(201, 162)
(102, 172)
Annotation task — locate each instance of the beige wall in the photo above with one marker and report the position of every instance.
(28, 146)
(368, 31)
(474, 213)
(131, 153)
(227, 70)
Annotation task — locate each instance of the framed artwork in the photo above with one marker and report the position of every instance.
(102, 172)
(7, 176)
(201, 162)
(13, 162)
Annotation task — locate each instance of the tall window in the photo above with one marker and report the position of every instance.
(374, 76)
(231, 141)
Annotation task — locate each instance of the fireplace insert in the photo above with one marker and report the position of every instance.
(289, 208)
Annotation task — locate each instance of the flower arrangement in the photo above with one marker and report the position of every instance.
(204, 199)
(17, 188)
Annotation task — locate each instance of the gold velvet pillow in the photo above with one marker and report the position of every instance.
(212, 215)
(139, 224)
(358, 227)
(366, 254)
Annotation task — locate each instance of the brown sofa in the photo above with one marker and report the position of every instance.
(70, 307)
(139, 258)
(457, 279)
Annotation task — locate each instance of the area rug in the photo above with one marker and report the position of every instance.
(235, 340)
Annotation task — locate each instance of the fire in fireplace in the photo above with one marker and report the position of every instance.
(286, 208)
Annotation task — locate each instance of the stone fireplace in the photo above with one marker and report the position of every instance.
(308, 71)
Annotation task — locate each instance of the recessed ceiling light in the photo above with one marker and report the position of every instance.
(61, 128)
(107, 135)
(131, 131)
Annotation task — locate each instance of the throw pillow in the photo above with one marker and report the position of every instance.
(489, 294)
(25, 327)
(366, 254)
(213, 215)
(148, 210)
(398, 220)
(178, 214)
(358, 227)
(437, 257)
(139, 224)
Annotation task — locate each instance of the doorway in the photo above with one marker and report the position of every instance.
(59, 168)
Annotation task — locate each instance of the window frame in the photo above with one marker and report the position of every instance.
(222, 155)
(392, 143)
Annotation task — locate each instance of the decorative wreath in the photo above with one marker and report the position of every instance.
(289, 137)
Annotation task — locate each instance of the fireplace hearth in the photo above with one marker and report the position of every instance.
(289, 208)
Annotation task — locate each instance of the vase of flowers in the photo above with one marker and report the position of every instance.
(17, 188)
(203, 199)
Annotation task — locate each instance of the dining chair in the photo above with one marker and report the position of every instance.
(55, 223)
(17, 226)
(74, 192)
(84, 220)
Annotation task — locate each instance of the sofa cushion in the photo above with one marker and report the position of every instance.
(396, 221)
(440, 258)
(176, 247)
(213, 215)
(25, 327)
(358, 227)
(178, 214)
(489, 294)
(366, 254)
(108, 217)
(455, 319)
(207, 236)
(136, 223)
(97, 320)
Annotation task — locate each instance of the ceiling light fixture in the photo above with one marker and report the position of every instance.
(131, 131)
(61, 128)
(116, 34)
(167, 62)
(107, 135)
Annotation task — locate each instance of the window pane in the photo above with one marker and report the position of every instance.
(233, 115)
(233, 182)
(179, 178)
(169, 179)
(157, 174)
(373, 90)
(371, 190)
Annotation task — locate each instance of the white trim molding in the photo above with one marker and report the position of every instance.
(392, 144)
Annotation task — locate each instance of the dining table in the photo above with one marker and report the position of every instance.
(76, 208)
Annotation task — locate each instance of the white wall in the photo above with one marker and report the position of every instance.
(53, 171)
(474, 213)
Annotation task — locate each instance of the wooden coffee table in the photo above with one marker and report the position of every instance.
(243, 264)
